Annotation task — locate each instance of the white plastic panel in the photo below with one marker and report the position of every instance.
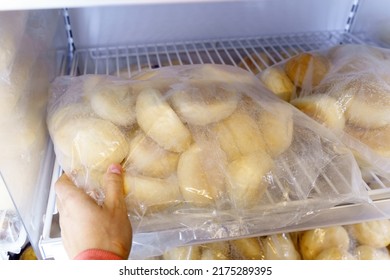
(373, 20)
(140, 24)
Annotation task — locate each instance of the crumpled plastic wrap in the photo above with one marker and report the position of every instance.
(12, 233)
(208, 153)
(346, 88)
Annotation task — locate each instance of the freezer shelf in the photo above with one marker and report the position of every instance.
(253, 54)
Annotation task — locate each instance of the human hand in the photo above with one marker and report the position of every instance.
(87, 225)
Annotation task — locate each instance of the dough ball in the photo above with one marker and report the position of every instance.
(335, 253)
(322, 108)
(276, 126)
(157, 119)
(148, 158)
(195, 185)
(202, 104)
(147, 194)
(307, 70)
(246, 184)
(277, 81)
(315, 241)
(279, 247)
(183, 253)
(114, 102)
(91, 143)
(255, 62)
(247, 248)
(239, 135)
(364, 252)
(377, 139)
(372, 233)
(216, 251)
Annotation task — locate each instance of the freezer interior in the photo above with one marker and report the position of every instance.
(124, 39)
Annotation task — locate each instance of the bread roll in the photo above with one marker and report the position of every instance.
(148, 158)
(313, 242)
(335, 253)
(157, 119)
(276, 126)
(255, 62)
(372, 233)
(114, 102)
(364, 252)
(277, 81)
(279, 247)
(246, 179)
(322, 108)
(195, 185)
(216, 251)
(307, 70)
(199, 104)
(247, 248)
(239, 135)
(91, 143)
(148, 194)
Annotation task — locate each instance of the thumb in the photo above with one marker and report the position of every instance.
(113, 186)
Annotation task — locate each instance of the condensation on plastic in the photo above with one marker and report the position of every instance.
(346, 88)
(208, 152)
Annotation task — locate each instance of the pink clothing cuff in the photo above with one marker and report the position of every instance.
(97, 254)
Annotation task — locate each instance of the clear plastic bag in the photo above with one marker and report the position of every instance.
(208, 152)
(346, 88)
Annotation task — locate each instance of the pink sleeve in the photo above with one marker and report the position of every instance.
(97, 254)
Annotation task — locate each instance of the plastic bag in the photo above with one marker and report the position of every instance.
(346, 88)
(209, 153)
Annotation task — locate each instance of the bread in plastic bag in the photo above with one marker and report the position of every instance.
(206, 147)
(346, 88)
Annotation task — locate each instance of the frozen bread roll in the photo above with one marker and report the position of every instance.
(342, 54)
(335, 253)
(369, 106)
(276, 126)
(114, 102)
(313, 242)
(372, 233)
(157, 119)
(239, 135)
(57, 117)
(247, 248)
(307, 70)
(255, 62)
(377, 139)
(148, 158)
(195, 185)
(183, 253)
(322, 108)
(216, 251)
(246, 183)
(279, 247)
(365, 252)
(277, 81)
(146, 193)
(91, 142)
(199, 104)
(222, 73)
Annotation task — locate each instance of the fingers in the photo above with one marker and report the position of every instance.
(113, 186)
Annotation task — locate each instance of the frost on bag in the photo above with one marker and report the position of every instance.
(346, 88)
(206, 149)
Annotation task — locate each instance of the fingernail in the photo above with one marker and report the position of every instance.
(115, 168)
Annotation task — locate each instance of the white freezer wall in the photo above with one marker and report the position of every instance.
(161, 23)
